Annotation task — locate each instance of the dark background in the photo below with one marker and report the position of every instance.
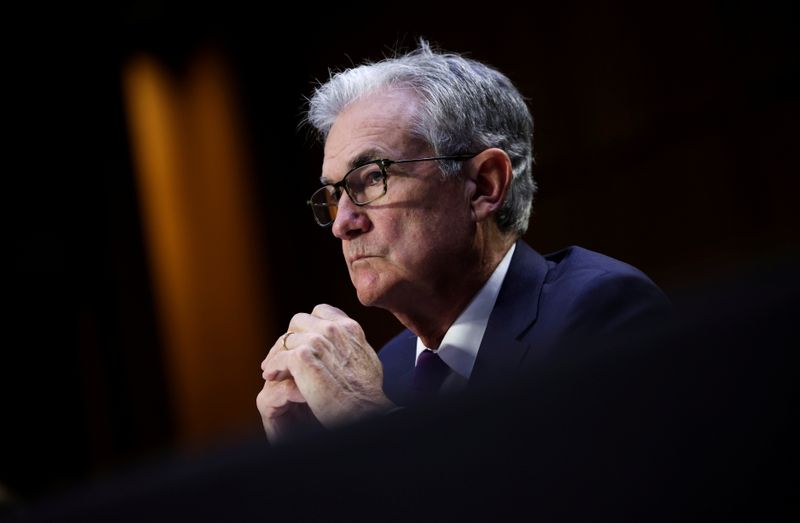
(665, 137)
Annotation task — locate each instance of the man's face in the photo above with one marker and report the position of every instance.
(412, 242)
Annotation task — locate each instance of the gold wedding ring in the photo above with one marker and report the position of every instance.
(284, 339)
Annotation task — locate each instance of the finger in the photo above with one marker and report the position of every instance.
(310, 373)
(305, 367)
(268, 405)
(276, 347)
(287, 344)
(328, 326)
(304, 349)
(303, 322)
(276, 413)
(340, 329)
(276, 367)
(277, 394)
(294, 418)
(329, 312)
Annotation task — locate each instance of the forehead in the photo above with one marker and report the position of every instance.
(376, 126)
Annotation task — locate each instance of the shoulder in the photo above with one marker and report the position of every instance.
(591, 289)
(576, 273)
(588, 272)
(578, 263)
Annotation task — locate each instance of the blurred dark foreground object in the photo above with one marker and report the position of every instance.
(690, 421)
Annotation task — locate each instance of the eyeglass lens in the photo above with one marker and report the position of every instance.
(363, 185)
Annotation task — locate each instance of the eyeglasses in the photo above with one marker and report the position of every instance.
(363, 184)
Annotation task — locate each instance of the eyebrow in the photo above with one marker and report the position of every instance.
(370, 155)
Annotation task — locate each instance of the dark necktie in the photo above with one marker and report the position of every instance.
(429, 374)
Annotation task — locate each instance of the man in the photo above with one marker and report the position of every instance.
(427, 181)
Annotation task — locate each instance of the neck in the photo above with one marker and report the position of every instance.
(435, 311)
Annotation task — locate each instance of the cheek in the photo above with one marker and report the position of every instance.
(422, 250)
(408, 239)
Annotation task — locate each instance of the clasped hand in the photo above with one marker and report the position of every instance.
(322, 373)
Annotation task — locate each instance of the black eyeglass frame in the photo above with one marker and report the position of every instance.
(382, 164)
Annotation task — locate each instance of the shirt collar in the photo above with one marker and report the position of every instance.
(461, 342)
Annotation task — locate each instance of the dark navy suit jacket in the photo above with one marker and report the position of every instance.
(546, 304)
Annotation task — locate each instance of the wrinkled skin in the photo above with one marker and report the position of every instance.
(328, 376)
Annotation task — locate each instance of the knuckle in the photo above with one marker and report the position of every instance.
(350, 326)
(261, 399)
(307, 354)
(275, 347)
(287, 386)
(296, 318)
(320, 307)
(316, 341)
(271, 396)
(331, 330)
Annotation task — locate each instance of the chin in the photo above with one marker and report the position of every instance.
(371, 289)
(365, 300)
(368, 295)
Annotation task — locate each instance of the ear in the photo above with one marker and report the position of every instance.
(490, 171)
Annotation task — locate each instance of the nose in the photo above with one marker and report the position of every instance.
(351, 220)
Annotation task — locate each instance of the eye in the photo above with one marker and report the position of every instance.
(373, 178)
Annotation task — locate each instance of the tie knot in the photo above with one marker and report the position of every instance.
(429, 373)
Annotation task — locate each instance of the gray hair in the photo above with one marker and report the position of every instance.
(465, 107)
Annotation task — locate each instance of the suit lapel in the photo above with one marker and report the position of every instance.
(501, 351)
(398, 370)
(516, 309)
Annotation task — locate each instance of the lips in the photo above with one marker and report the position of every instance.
(357, 254)
(360, 257)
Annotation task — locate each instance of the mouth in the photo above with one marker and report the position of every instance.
(360, 258)
(358, 252)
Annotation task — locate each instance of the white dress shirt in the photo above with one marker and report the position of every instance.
(461, 342)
